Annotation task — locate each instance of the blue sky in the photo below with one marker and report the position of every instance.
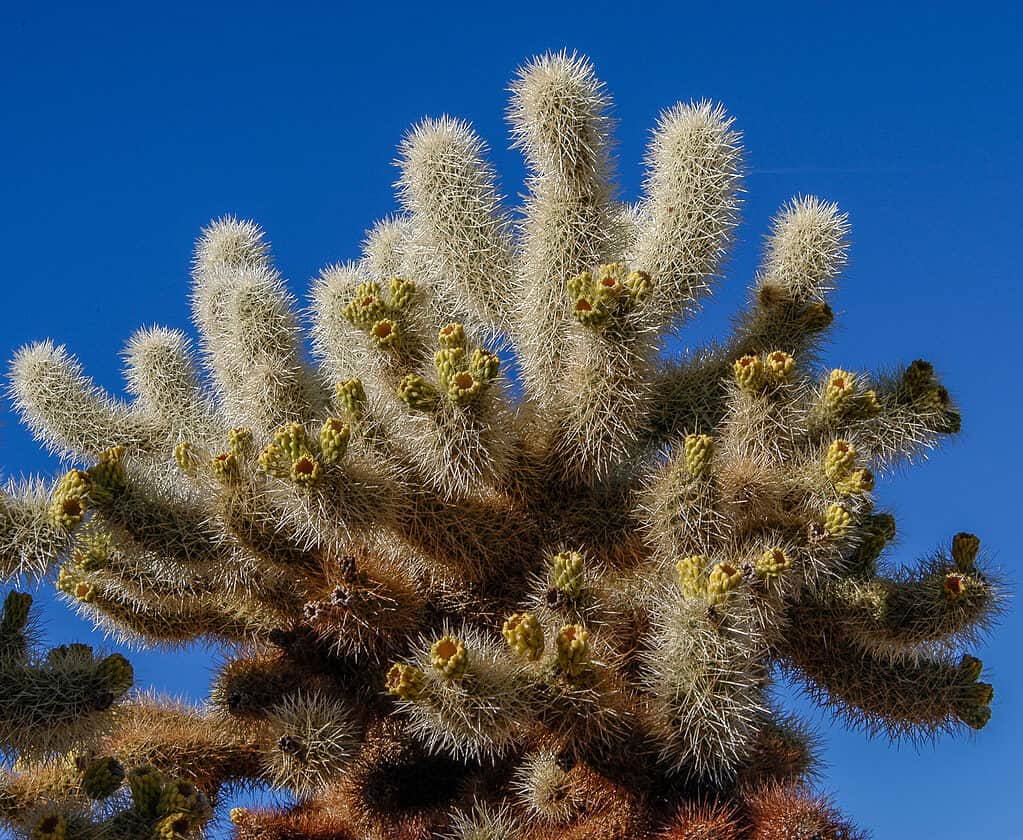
(127, 129)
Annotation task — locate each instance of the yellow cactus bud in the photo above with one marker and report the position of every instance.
(869, 404)
(610, 281)
(954, 585)
(93, 550)
(70, 498)
(50, 827)
(448, 655)
(839, 391)
(108, 476)
(580, 284)
(964, 551)
(146, 785)
(690, 575)
(292, 439)
(568, 569)
(367, 307)
(401, 293)
(590, 311)
(772, 563)
(385, 333)
(352, 397)
(573, 645)
(226, 467)
(84, 592)
(463, 388)
(186, 458)
(274, 460)
(638, 285)
(484, 364)
(417, 393)
(452, 335)
(837, 521)
(306, 469)
(524, 635)
(749, 372)
(447, 361)
(102, 777)
(406, 682)
(240, 442)
(857, 482)
(180, 797)
(839, 459)
(724, 579)
(67, 580)
(334, 437)
(699, 449)
(780, 365)
(176, 826)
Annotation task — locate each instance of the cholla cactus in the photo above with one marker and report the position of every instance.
(454, 613)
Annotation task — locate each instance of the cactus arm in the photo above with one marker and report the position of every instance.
(691, 205)
(914, 694)
(448, 189)
(30, 542)
(161, 373)
(68, 412)
(559, 120)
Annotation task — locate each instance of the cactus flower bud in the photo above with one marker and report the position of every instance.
(780, 365)
(857, 482)
(417, 393)
(568, 573)
(306, 469)
(964, 550)
(573, 645)
(524, 635)
(405, 682)
(699, 449)
(385, 333)
(463, 388)
(70, 498)
(837, 521)
(839, 459)
(240, 442)
(690, 575)
(225, 467)
(401, 293)
(772, 563)
(724, 579)
(839, 391)
(452, 335)
(334, 437)
(448, 655)
(186, 458)
(102, 778)
(351, 395)
(749, 372)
